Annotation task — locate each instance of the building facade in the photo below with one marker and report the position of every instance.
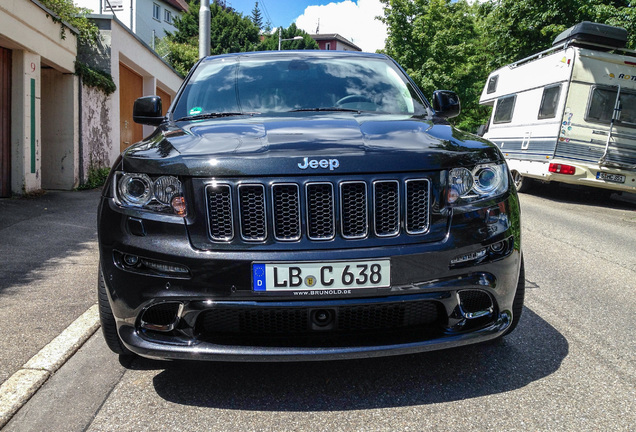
(334, 41)
(107, 125)
(148, 19)
(53, 128)
(39, 108)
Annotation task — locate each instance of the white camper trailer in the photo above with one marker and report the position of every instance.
(568, 114)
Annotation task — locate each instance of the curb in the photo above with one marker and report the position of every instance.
(23, 384)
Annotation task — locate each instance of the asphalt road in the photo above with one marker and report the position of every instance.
(570, 365)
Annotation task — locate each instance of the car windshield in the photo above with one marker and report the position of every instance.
(278, 83)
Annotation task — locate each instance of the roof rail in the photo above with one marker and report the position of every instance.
(566, 45)
(537, 55)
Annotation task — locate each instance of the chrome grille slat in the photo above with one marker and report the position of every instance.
(417, 204)
(321, 222)
(323, 210)
(286, 211)
(355, 209)
(252, 212)
(386, 203)
(220, 212)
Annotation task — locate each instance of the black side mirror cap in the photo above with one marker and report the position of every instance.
(446, 103)
(147, 110)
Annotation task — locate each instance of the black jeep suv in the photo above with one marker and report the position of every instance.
(306, 205)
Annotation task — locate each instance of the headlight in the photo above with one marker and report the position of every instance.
(483, 181)
(163, 194)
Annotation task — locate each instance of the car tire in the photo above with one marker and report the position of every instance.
(107, 319)
(517, 304)
(522, 184)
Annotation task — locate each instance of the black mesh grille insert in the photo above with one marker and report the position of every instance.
(349, 208)
(387, 208)
(252, 214)
(320, 211)
(286, 211)
(473, 301)
(161, 314)
(220, 212)
(417, 218)
(355, 325)
(354, 209)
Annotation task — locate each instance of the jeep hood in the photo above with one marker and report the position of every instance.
(281, 145)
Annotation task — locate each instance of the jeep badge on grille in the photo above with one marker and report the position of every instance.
(332, 164)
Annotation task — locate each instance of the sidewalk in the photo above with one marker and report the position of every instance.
(48, 276)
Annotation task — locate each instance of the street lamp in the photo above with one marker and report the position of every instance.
(281, 40)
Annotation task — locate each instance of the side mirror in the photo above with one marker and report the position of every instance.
(446, 103)
(147, 110)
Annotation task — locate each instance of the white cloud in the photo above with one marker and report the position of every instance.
(354, 21)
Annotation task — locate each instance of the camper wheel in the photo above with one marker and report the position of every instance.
(522, 184)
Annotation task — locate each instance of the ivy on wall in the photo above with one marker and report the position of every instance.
(66, 12)
(95, 78)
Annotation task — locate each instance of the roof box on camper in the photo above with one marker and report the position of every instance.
(595, 33)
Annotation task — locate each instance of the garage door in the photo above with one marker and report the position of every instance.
(130, 88)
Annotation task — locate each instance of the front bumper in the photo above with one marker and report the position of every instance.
(423, 283)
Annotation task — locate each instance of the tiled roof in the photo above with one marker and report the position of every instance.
(334, 36)
(181, 5)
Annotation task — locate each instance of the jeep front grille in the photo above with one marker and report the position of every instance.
(318, 210)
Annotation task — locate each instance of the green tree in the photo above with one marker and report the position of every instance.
(516, 29)
(257, 19)
(438, 43)
(447, 44)
(75, 16)
(270, 43)
(230, 32)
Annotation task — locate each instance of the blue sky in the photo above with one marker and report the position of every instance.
(282, 13)
(352, 19)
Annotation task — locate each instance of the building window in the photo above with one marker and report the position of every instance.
(167, 16)
(156, 11)
(328, 46)
(504, 109)
(549, 102)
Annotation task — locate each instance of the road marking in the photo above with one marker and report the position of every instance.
(23, 384)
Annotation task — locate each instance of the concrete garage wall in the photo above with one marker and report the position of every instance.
(60, 158)
(42, 69)
(101, 120)
(96, 129)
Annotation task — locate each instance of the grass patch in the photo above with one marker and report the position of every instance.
(96, 178)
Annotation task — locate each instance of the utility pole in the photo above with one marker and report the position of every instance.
(204, 29)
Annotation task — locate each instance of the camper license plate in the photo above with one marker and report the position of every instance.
(614, 178)
(336, 276)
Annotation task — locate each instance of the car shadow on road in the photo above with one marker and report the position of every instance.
(584, 196)
(534, 351)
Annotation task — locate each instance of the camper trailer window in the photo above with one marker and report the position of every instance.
(492, 84)
(549, 102)
(602, 102)
(504, 109)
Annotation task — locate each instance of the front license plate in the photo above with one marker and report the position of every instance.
(321, 276)
(614, 178)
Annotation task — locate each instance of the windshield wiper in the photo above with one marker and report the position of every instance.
(326, 109)
(215, 115)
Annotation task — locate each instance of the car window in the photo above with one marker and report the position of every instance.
(290, 83)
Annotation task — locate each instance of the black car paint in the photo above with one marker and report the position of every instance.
(270, 148)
